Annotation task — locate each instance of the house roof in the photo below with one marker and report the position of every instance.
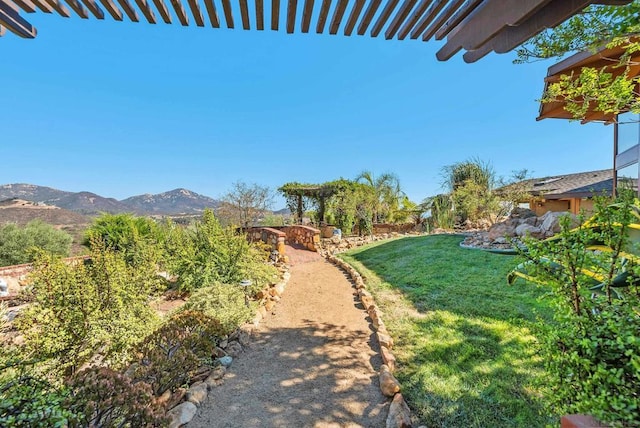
(476, 26)
(604, 58)
(578, 185)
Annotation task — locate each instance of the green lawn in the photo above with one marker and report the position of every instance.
(466, 352)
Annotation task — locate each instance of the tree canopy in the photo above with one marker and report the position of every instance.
(600, 89)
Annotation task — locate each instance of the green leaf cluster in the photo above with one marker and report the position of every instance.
(208, 253)
(85, 309)
(592, 349)
(17, 244)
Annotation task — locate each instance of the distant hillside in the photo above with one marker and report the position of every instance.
(22, 212)
(88, 203)
(178, 201)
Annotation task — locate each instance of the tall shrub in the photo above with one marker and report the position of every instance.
(592, 350)
(17, 243)
(98, 308)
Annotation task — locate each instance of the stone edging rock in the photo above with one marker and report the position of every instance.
(229, 348)
(399, 414)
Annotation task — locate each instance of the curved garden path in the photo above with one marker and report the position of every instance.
(310, 364)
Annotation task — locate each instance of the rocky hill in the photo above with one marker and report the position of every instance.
(178, 201)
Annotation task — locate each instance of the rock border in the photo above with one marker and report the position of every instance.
(190, 400)
(399, 415)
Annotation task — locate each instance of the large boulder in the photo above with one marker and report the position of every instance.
(523, 213)
(527, 230)
(550, 222)
(500, 230)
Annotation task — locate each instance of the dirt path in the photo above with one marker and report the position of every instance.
(311, 364)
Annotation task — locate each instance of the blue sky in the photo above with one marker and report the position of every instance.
(121, 109)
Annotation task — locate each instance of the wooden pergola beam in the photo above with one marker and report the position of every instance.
(11, 20)
(338, 14)
(459, 15)
(25, 5)
(486, 21)
(244, 15)
(259, 15)
(307, 11)
(353, 17)
(397, 20)
(322, 18)
(78, 8)
(292, 5)
(275, 14)
(43, 6)
(439, 21)
(415, 16)
(213, 13)
(129, 10)
(228, 13)
(146, 11)
(509, 37)
(196, 12)
(163, 10)
(112, 9)
(93, 8)
(427, 19)
(384, 16)
(368, 16)
(180, 12)
(59, 7)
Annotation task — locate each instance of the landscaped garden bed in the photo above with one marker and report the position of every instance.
(464, 341)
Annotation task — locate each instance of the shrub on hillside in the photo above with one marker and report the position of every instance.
(225, 303)
(84, 310)
(171, 354)
(17, 243)
(212, 253)
(137, 238)
(105, 398)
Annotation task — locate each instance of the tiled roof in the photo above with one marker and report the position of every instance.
(578, 185)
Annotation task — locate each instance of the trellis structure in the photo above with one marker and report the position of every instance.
(476, 26)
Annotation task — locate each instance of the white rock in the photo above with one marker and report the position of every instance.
(182, 414)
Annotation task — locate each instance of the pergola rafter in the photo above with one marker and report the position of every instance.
(476, 26)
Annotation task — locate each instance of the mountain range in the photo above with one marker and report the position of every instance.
(178, 201)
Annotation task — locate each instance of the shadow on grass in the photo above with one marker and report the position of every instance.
(314, 376)
(466, 353)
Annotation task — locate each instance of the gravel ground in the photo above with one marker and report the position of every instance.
(310, 364)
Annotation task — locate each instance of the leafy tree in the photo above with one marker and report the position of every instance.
(83, 309)
(592, 350)
(598, 25)
(17, 243)
(137, 238)
(211, 253)
(245, 204)
(387, 194)
(440, 210)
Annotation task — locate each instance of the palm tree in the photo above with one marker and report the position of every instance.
(387, 194)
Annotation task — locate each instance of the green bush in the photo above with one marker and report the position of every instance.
(28, 401)
(592, 350)
(224, 303)
(105, 398)
(17, 243)
(172, 353)
(210, 253)
(81, 310)
(138, 238)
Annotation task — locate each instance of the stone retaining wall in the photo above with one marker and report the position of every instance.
(275, 238)
(307, 236)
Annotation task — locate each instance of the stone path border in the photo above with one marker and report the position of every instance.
(399, 414)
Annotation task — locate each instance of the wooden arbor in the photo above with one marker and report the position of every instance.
(295, 194)
(477, 26)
